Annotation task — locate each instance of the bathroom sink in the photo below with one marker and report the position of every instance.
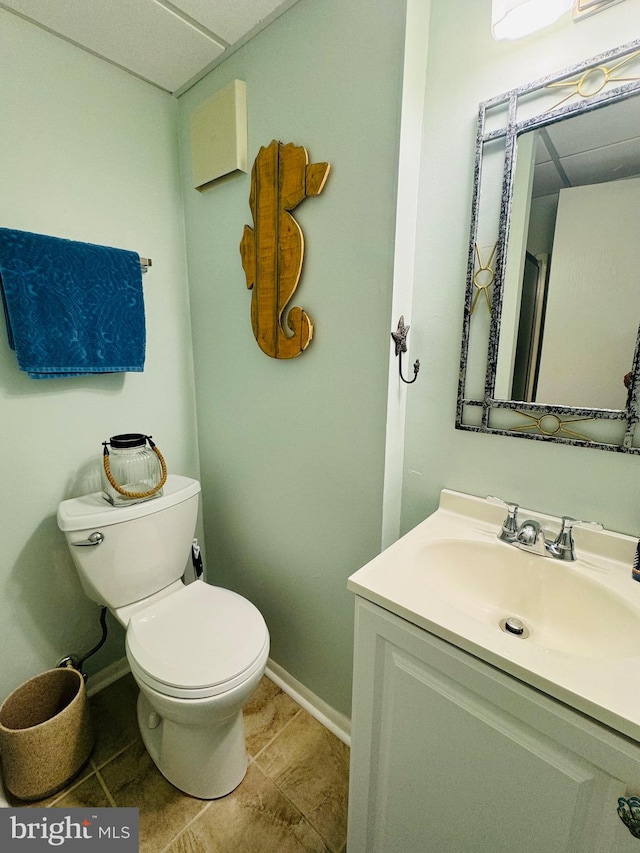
(454, 578)
(560, 607)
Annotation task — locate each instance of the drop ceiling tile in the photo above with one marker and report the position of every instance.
(229, 19)
(140, 35)
(597, 129)
(604, 164)
(546, 181)
(542, 153)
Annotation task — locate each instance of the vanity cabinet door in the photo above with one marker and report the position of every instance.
(450, 755)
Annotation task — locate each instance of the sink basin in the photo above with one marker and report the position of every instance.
(452, 577)
(562, 608)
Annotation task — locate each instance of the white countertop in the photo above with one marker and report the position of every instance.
(606, 688)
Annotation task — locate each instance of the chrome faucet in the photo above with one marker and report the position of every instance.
(509, 530)
(529, 536)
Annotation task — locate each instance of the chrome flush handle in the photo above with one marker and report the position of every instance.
(96, 538)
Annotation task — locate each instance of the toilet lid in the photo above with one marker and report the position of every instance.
(201, 638)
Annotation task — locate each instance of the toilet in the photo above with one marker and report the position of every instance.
(196, 651)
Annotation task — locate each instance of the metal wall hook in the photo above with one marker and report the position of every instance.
(629, 813)
(400, 338)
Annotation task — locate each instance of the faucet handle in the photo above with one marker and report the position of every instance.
(509, 529)
(563, 545)
(568, 522)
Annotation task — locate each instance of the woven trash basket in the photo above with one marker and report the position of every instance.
(46, 734)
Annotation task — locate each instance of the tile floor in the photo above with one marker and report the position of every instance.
(293, 798)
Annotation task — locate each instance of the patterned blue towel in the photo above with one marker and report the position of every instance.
(71, 308)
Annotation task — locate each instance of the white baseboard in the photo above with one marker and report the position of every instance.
(106, 676)
(331, 719)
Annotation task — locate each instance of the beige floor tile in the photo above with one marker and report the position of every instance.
(255, 818)
(311, 766)
(265, 714)
(301, 808)
(114, 717)
(134, 781)
(89, 793)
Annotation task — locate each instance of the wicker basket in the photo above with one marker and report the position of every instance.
(46, 734)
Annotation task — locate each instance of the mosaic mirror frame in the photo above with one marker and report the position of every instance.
(607, 79)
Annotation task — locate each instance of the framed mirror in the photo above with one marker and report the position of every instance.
(551, 333)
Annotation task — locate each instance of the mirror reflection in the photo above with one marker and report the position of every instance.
(551, 332)
(574, 272)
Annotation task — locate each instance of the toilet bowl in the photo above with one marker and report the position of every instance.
(197, 656)
(196, 651)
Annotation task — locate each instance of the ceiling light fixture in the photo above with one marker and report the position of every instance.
(511, 19)
(584, 8)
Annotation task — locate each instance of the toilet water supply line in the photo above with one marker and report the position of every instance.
(196, 559)
(77, 663)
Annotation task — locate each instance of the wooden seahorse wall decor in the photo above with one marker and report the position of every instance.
(272, 251)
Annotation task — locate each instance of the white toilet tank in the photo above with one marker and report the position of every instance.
(145, 546)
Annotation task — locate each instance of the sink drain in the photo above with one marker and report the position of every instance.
(515, 626)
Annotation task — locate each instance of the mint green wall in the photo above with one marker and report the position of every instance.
(90, 153)
(292, 452)
(465, 67)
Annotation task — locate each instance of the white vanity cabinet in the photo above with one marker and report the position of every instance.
(451, 755)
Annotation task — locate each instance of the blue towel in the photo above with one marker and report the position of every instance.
(71, 309)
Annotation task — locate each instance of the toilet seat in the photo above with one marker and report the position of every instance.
(198, 642)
